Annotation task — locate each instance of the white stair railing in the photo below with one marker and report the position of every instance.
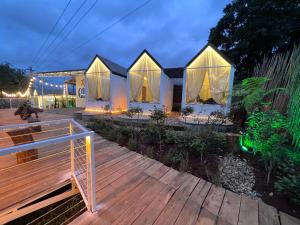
(52, 134)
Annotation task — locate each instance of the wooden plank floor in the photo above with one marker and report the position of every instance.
(133, 189)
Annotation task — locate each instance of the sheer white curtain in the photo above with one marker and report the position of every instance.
(195, 78)
(98, 81)
(136, 85)
(219, 84)
(145, 72)
(212, 74)
(104, 86)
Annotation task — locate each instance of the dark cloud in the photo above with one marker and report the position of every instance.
(172, 30)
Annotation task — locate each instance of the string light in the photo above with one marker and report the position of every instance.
(27, 92)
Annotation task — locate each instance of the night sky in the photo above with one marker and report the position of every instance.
(172, 30)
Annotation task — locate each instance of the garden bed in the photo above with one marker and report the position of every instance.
(183, 149)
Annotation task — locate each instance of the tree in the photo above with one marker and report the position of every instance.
(251, 29)
(12, 79)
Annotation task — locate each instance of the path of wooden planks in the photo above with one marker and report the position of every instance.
(133, 189)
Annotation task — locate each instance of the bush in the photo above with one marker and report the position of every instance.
(150, 135)
(133, 144)
(100, 126)
(132, 111)
(267, 132)
(122, 139)
(150, 152)
(186, 111)
(199, 146)
(174, 156)
(288, 183)
(125, 131)
(214, 140)
(112, 135)
(171, 137)
(158, 115)
(289, 186)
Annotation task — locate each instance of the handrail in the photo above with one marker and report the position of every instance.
(19, 126)
(87, 188)
(23, 147)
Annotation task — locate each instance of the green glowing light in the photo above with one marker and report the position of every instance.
(243, 147)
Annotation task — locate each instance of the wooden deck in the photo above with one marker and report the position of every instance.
(132, 189)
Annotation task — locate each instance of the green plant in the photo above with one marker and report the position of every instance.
(112, 135)
(133, 144)
(252, 95)
(158, 115)
(266, 132)
(106, 108)
(288, 183)
(215, 141)
(100, 126)
(150, 152)
(175, 155)
(171, 137)
(125, 131)
(186, 111)
(150, 135)
(122, 139)
(132, 111)
(199, 146)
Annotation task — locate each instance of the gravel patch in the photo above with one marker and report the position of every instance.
(237, 175)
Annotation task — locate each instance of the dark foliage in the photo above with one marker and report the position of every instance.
(12, 79)
(251, 29)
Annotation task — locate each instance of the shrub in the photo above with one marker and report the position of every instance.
(150, 152)
(112, 135)
(214, 140)
(100, 126)
(171, 137)
(132, 111)
(122, 139)
(199, 146)
(267, 133)
(133, 144)
(150, 135)
(125, 131)
(106, 108)
(175, 155)
(158, 115)
(186, 111)
(288, 183)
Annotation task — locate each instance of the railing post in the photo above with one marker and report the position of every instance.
(71, 148)
(10, 105)
(89, 140)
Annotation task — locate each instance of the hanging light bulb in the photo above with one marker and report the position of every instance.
(51, 85)
(46, 84)
(41, 81)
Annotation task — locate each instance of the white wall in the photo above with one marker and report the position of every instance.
(166, 92)
(208, 108)
(166, 95)
(177, 81)
(80, 83)
(118, 95)
(118, 92)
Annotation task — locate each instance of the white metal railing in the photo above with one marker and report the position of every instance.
(64, 137)
(10, 103)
